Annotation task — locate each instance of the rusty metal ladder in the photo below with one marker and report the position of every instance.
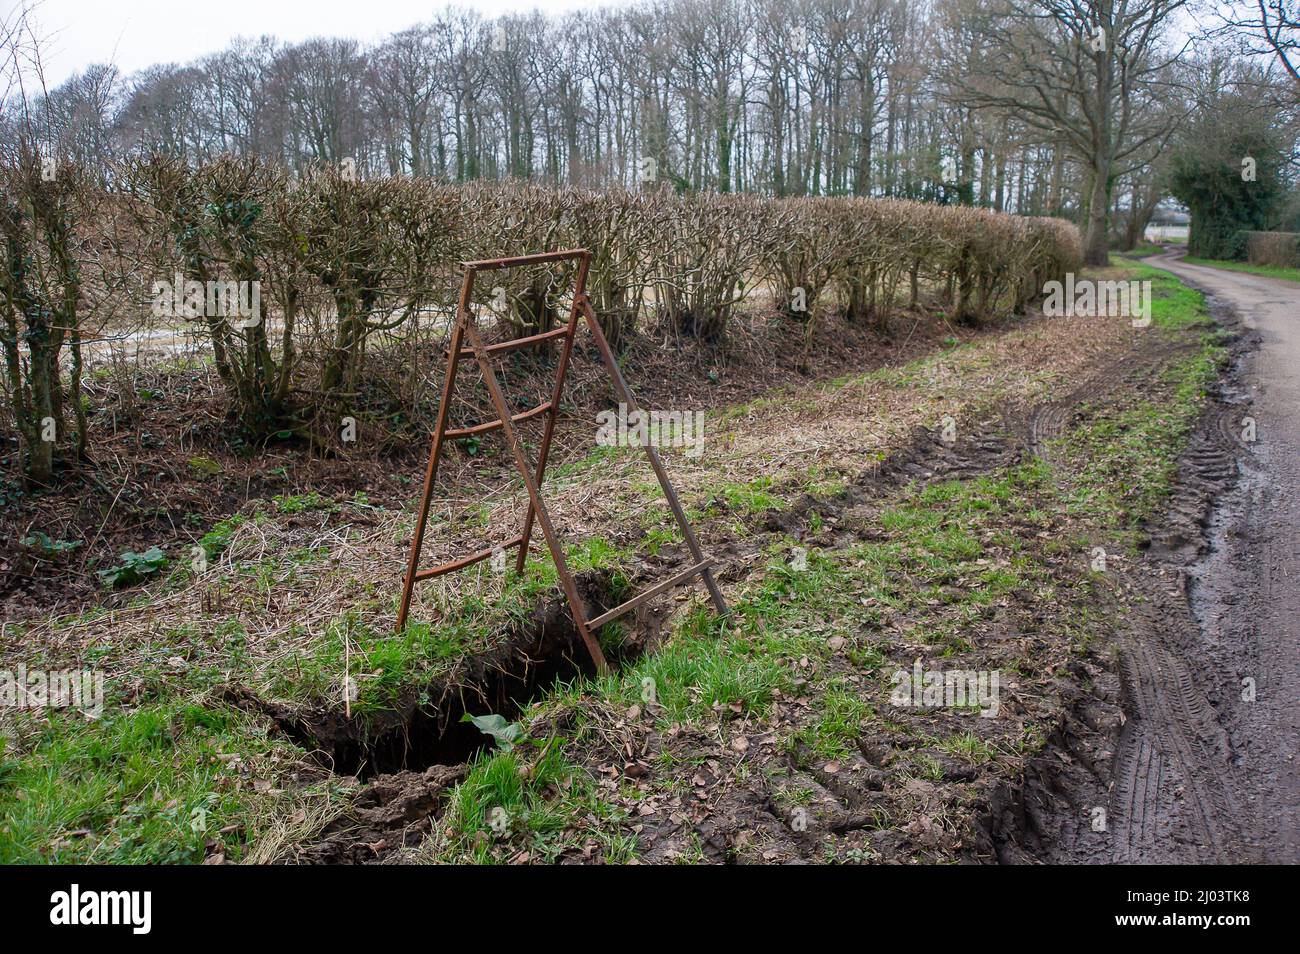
(465, 326)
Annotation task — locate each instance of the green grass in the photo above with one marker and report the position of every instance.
(939, 560)
(1144, 250)
(1174, 306)
(301, 503)
(509, 804)
(1123, 458)
(838, 725)
(696, 674)
(753, 497)
(1268, 271)
(146, 786)
(968, 746)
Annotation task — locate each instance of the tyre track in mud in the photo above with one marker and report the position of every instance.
(1170, 731)
(1048, 421)
(1192, 811)
(1198, 775)
(1241, 590)
(1169, 791)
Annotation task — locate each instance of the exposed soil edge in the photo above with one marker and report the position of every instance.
(423, 727)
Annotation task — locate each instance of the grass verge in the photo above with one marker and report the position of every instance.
(1268, 271)
(949, 571)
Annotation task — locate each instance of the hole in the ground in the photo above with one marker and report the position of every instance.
(424, 728)
(433, 734)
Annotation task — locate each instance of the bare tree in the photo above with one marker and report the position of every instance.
(1092, 72)
(1271, 27)
(1033, 106)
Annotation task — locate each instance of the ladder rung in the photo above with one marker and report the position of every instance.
(655, 590)
(516, 343)
(467, 560)
(491, 264)
(493, 425)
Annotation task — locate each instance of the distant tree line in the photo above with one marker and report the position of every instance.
(1050, 107)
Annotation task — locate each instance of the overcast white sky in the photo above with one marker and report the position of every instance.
(137, 33)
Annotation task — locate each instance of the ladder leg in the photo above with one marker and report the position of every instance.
(625, 395)
(566, 349)
(535, 498)
(431, 471)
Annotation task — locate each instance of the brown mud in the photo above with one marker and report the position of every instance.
(859, 797)
(1176, 769)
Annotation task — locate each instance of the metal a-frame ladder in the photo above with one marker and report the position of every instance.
(466, 327)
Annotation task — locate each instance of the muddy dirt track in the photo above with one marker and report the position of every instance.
(1204, 772)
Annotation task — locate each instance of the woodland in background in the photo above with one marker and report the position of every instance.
(842, 153)
(1052, 107)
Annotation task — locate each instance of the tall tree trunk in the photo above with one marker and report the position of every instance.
(1096, 240)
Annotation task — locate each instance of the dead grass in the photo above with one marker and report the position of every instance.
(294, 571)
